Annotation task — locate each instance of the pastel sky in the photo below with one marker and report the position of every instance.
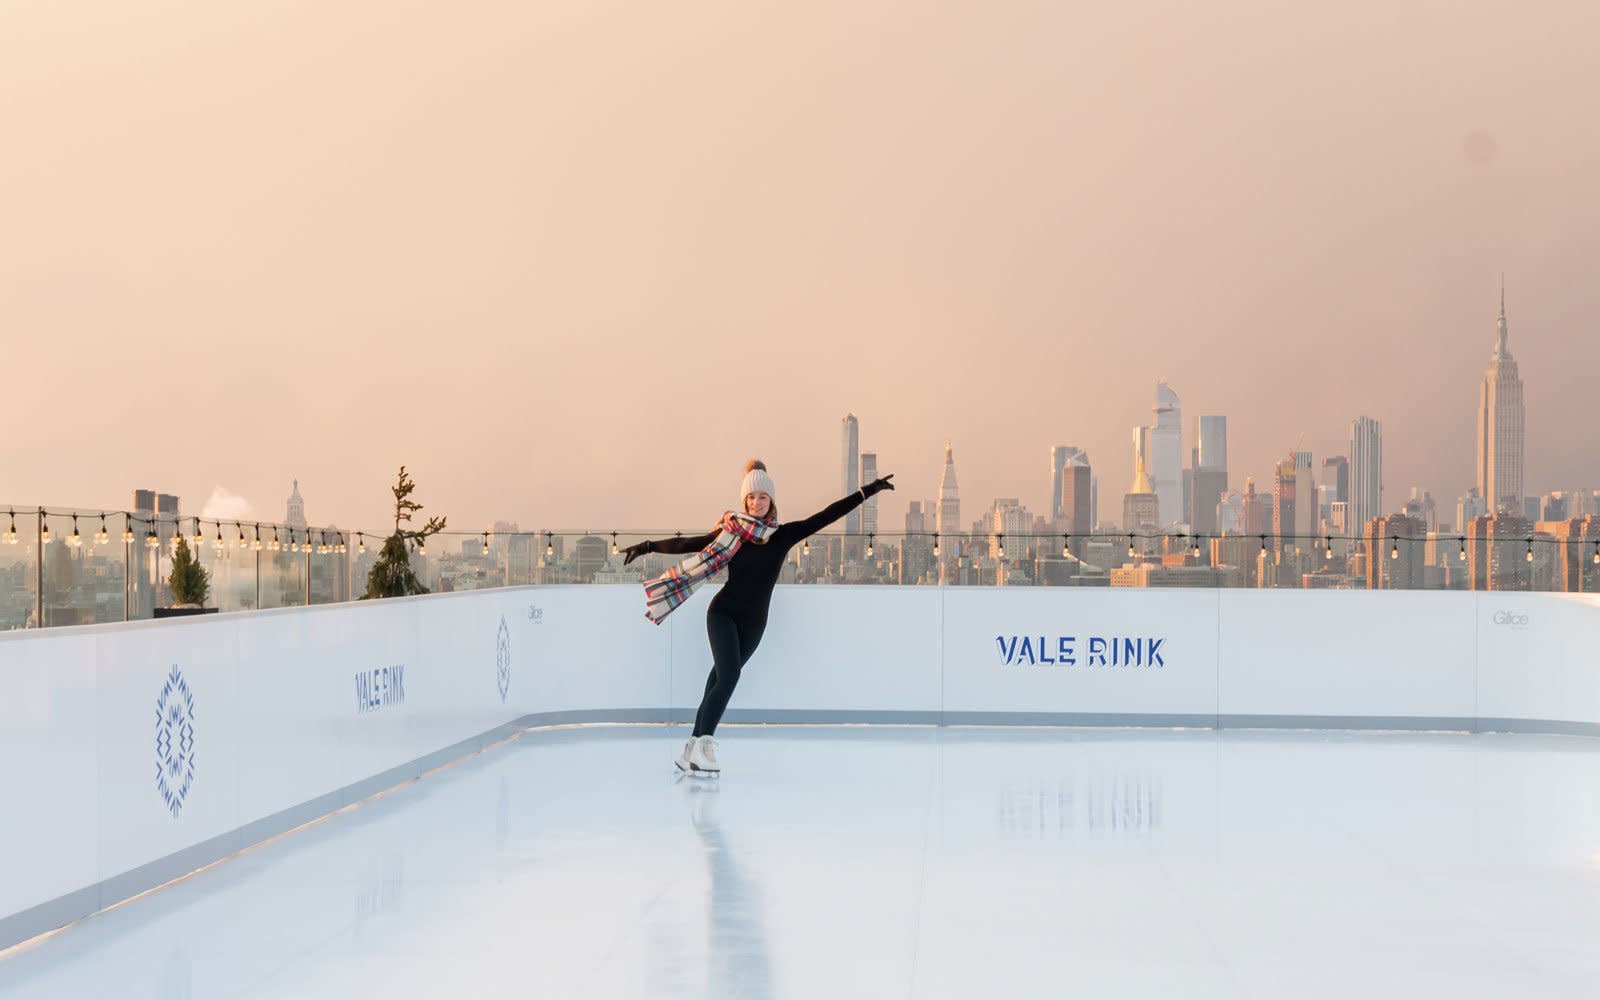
(573, 262)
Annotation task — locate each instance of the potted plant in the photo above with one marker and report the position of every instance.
(189, 582)
(392, 575)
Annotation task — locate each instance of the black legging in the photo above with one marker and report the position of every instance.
(733, 640)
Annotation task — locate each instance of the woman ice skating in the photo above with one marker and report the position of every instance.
(752, 545)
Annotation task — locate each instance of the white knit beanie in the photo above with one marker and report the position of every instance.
(756, 480)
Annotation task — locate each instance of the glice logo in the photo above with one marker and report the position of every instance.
(1511, 619)
(174, 741)
(502, 659)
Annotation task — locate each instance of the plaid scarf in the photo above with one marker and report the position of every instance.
(663, 594)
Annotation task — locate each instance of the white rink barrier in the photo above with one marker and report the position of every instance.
(139, 752)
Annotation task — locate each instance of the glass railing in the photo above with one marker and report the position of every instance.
(76, 567)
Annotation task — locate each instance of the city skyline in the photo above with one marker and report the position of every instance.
(1365, 433)
(978, 240)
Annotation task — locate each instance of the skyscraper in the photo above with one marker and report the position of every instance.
(1305, 511)
(296, 517)
(1164, 461)
(1211, 438)
(1335, 485)
(1209, 474)
(1060, 457)
(1284, 502)
(1366, 471)
(852, 465)
(1077, 516)
(1501, 431)
(869, 509)
(948, 517)
(1141, 510)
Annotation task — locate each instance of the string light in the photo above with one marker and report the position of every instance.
(422, 546)
(362, 539)
(1000, 541)
(613, 543)
(869, 544)
(1196, 550)
(549, 544)
(1530, 550)
(1066, 546)
(342, 548)
(1327, 551)
(151, 540)
(1263, 544)
(103, 537)
(274, 545)
(242, 541)
(11, 533)
(1597, 553)
(199, 540)
(256, 544)
(486, 543)
(1463, 553)
(127, 527)
(76, 541)
(219, 544)
(294, 541)
(805, 547)
(935, 543)
(44, 531)
(1130, 546)
(1394, 549)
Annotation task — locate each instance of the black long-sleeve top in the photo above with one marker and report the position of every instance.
(753, 570)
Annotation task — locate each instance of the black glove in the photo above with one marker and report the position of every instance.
(879, 485)
(635, 551)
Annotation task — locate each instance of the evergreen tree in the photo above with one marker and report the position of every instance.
(391, 575)
(189, 582)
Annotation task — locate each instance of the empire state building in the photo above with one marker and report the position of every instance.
(1501, 426)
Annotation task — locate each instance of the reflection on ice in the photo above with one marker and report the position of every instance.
(916, 862)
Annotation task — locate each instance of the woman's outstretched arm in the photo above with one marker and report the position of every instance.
(677, 545)
(798, 530)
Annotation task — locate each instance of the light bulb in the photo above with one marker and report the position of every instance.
(294, 542)
(1394, 549)
(276, 545)
(44, 534)
(1463, 553)
(151, 541)
(805, 547)
(1000, 543)
(76, 541)
(869, 545)
(199, 540)
(242, 541)
(1066, 546)
(1196, 550)
(550, 545)
(1263, 544)
(1597, 555)
(422, 547)
(256, 544)
(11, 533)
(1530, 553)
(362, 539)
(1130, 546)
(936, 543)
(104, 536)
(486, 545)
(127, 529)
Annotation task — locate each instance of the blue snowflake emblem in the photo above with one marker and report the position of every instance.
(174, 740)
(502, 659)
